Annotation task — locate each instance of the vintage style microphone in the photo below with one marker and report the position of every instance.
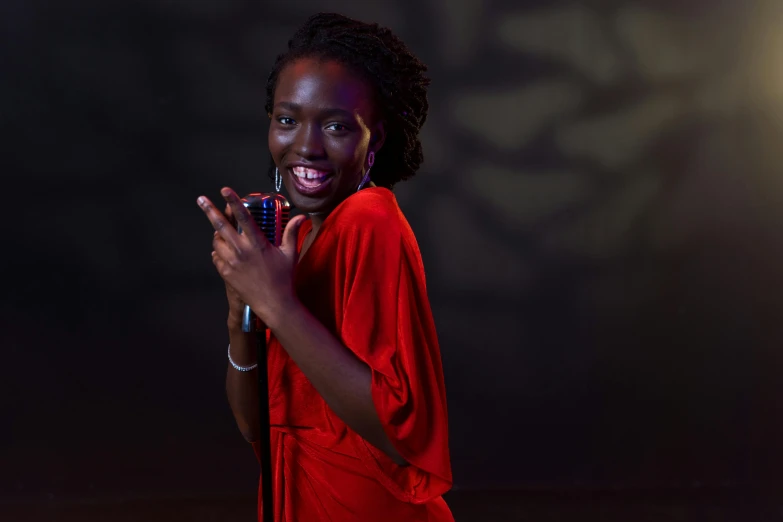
(271, 213)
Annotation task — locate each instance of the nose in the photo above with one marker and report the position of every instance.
(309, 142)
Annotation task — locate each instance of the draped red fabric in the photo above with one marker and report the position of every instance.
(363, 278)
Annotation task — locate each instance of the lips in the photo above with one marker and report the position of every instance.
(310, 181)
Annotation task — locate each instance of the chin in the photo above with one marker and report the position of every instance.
(320, 204)
(310, 205)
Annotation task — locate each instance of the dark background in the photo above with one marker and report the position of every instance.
(599, 214)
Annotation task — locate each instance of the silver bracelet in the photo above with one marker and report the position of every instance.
(236, 366)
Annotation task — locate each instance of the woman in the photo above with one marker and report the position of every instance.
(357, 398)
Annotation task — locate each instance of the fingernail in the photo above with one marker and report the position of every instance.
(201, 200)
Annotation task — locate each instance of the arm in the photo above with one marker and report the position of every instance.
(242, 387)
(264, 274)
(342, 379)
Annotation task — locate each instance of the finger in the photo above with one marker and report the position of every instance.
(217, 236)
(223, 250)
(219, 263)
(230, 216)
(243, 218)
(291, 234)
(219, 222)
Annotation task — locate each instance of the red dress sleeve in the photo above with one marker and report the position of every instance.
(387, 321)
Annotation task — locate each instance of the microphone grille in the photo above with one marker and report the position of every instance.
(271, 212)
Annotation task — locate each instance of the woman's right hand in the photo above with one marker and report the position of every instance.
(236, 307)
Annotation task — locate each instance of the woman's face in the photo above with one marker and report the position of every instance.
(323, 127)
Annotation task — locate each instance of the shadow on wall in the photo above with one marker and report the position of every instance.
(610, 177)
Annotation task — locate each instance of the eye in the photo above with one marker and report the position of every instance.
(284, 120)
(337, 127)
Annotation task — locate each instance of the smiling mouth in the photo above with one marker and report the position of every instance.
(311, 179)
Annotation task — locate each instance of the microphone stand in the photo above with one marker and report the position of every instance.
(270, 212)
(266, 436)
(251, 323)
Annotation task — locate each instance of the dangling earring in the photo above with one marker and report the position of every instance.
(278, 180)
(366, 178)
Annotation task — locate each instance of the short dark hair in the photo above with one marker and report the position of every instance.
(397, 76)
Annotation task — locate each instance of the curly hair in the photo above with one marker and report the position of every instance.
(396, 75)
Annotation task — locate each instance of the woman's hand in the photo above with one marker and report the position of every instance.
(255, 271)
(236, 306)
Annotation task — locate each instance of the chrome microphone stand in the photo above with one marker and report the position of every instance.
(271, 213)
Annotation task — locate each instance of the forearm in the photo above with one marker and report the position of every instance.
(242, 387)
(341, 378)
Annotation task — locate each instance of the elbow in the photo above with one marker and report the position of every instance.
(249, 434)
(250, 437)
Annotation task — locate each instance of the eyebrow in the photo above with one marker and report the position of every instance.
(295, 107)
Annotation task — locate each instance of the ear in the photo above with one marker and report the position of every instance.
(378, 136)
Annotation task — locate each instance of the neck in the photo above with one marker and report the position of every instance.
(317, 218)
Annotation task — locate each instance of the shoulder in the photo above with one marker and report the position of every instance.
(371, 211)
(370, 223)
(369, 229)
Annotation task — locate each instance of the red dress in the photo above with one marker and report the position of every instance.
(363, 278)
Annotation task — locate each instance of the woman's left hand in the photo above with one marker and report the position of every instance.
(261, 273)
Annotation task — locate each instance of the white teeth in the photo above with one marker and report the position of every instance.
(306, 173)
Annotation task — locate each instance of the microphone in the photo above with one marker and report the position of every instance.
(271, 213)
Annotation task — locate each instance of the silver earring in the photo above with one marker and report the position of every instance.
(366, 178)
(278, 180)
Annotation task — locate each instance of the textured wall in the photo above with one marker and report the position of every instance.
(599, 214)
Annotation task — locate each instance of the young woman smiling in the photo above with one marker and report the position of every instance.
(357, 395)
